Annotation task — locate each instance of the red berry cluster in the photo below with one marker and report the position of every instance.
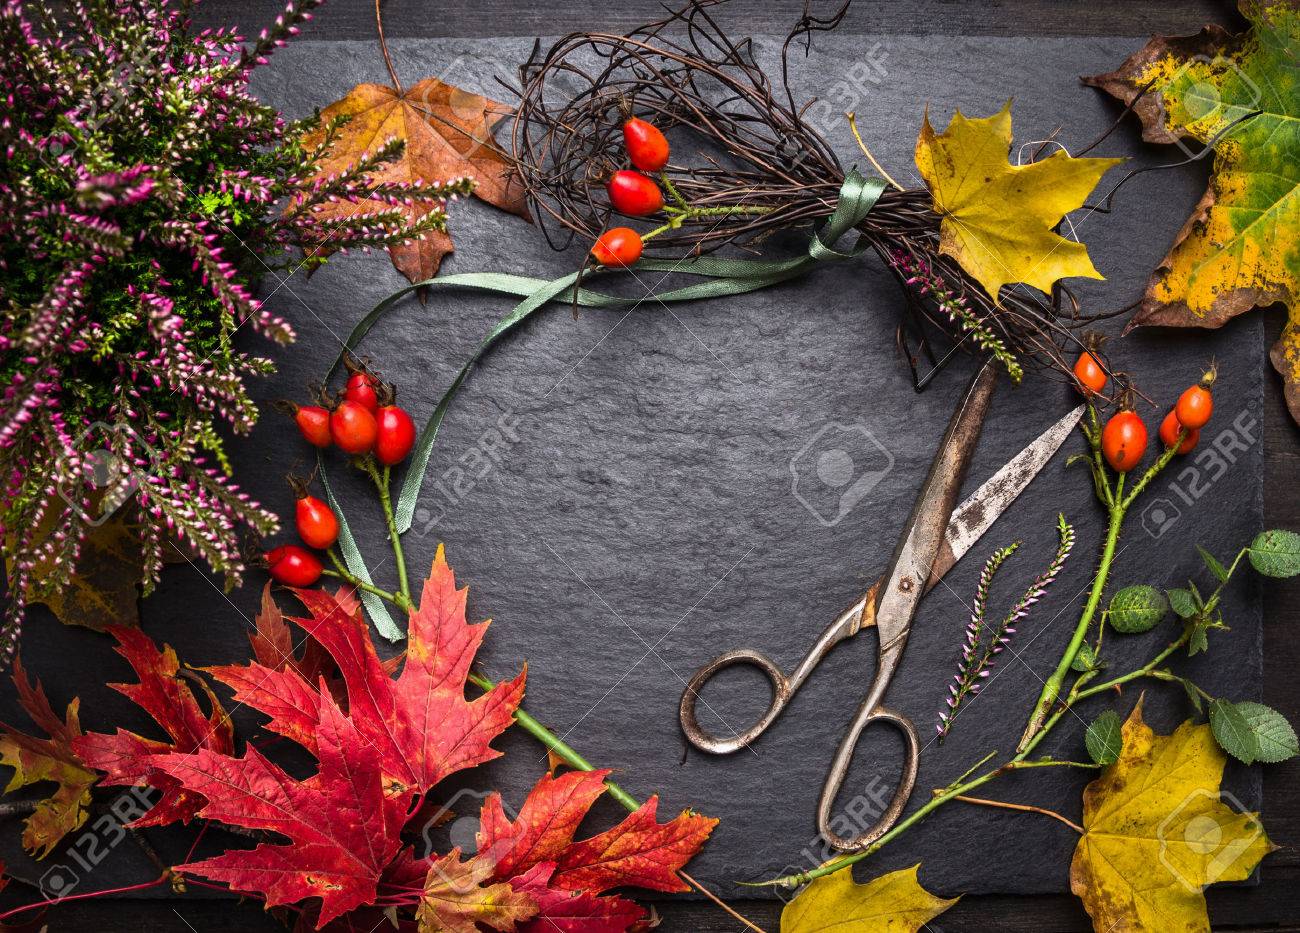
(364, 421)
(1124, 438)
(633, 193)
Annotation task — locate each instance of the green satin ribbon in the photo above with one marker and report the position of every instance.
(857, 196)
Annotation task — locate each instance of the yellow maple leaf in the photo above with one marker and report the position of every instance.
(892, 903)
(998, 217)
(1240, 248)
(1156, 832)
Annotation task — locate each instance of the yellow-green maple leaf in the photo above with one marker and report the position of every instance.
(1156, 832)
(35, 760)
(1240, 249)
(892, 903)
(998, 218)
(460, 896)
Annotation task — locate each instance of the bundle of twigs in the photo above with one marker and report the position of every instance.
(755, 167)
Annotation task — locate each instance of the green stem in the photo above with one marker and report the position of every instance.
(1052, 687)
(559, 746)
(386, 500)
(1118, 504)
(672, 191)
(679, 215)
(341, 572)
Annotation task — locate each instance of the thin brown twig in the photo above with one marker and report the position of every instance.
(383, 48)
(750, 143)
(720, 902)
(1023, 807)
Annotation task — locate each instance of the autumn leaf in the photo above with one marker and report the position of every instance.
(273, 646)
(447, 134)
(130, 760)
(1240, 248)
(50, 759)
(1156, 832)
(105, 590)
(998, 218)
(420, 725)
(459, 895)
(573, 911)
(638, 852)
(343, 829)
(892, 903)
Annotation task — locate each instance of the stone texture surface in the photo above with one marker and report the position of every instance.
(648, 517)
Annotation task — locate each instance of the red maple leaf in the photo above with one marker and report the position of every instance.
(640, 851)
(560, 911)
(342, 827)
(273, 647)
(130, 760)
(419, 724)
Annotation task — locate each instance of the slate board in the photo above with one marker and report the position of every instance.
(645, 520)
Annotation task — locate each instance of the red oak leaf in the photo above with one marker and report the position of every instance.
(419, 724)
(638, 852)
(342, 827)
(130, 760)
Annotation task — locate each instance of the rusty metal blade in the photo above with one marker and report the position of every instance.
(985, 506)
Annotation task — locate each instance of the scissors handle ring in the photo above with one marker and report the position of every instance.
(840, 770)
(782, 690)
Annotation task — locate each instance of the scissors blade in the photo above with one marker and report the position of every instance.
(925, 531)
(987, 504)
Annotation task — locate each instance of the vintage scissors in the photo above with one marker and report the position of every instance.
(934, 538)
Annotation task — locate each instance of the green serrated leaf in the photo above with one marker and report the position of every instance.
(1182, 602)
(1198, 641)
(1276, 553)
(1137, 609)
(1104, 738)
(1232, 730)
(1193, 694)
(1216, 568)
(1085, 660)
(1277, 740)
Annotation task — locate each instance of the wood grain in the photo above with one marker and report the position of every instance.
(1272, 905)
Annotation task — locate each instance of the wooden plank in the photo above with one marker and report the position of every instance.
(355, 20)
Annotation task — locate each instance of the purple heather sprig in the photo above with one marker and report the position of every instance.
(984, 642)
(143, 192)
(916, 273)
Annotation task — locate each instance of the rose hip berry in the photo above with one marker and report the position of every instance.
(1196, 404)
(313, 424)
(617, 246)
(634, 194)
(646, 146)
(1169, 430)
(396, 435)
(353, 427)
(293, 565)
(362, 389)
(1124, 440)
(317, 525)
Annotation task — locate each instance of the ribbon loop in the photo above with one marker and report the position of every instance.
(857, 196)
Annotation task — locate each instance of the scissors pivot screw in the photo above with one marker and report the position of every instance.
(906, 584)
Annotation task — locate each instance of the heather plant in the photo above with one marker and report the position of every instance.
(143, 193)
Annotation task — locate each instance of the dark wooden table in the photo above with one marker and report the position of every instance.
(1274, 904)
